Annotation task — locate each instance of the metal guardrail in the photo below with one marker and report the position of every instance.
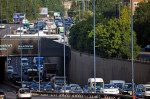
(83, 95)
(75, 95)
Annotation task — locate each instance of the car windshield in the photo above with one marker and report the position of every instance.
(24, 91)
(119, 86)
(148, 89)
(10, 68)
(98, 84)
(59, 80)
(109, 86)
(67, 88)
(58, 88)
(127, 86)
(139, 89)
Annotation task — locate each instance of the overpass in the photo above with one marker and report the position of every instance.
(29, 47)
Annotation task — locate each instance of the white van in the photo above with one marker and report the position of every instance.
(146, 91)
(99, 83)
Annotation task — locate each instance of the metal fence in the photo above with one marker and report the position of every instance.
(83, 95)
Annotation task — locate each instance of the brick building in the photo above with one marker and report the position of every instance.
(135, 3)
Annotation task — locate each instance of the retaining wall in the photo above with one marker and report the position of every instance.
(81, 68)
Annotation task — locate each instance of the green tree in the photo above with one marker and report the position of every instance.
(142, 23)
(114, 38)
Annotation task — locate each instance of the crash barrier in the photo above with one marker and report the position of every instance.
(11, 84)
(83, 95)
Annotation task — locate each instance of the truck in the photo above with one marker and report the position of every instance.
(36, 61)
(18, 17)
(49, 70)
(32, 74)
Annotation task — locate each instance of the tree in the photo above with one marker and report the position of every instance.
(114, 38)
(142, 23)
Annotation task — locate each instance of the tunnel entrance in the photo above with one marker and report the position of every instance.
(2, 69)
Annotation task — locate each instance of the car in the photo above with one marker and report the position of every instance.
(24, 84)
(10, 69)
(45, 29)
(58, 88)
(138, 92)
(74, 85)
(110, 89)
(29, 84)
(32, 31)
(127, 89)
(86, 89)
(48, 88)
(2, 94)
(76, 90)
(68, 89)
(17, 80)
(31, 25)
(92, 90)
(146, 91)
(147, 48)
(2, 26)
(24, 93)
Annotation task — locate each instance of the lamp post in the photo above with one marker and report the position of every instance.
(1, 17)
(21, 54)
(132, 47)
(94, 46)
(64, 56)
(39, 56)
(35, 9)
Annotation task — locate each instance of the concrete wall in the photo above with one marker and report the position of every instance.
(81, 68)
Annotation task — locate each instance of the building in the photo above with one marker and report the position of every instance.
(135, 3)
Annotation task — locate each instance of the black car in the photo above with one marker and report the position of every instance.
(147, 48)
(2, 94)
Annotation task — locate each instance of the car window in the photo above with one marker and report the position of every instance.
(25, 91)
(1, 93)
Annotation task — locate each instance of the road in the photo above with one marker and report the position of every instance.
(11, 93)
(11, 28)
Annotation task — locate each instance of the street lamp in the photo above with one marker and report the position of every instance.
(94, 46)
(132, 47)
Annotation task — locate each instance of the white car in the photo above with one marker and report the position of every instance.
(25, 21)
(31, 25)
(24, 93)
(24, 29)
(45, 29)
(2, 26)
(110, 89)
(10, 69)
(146, 91)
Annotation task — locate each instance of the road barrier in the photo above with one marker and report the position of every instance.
(83, 95)
(75, 95)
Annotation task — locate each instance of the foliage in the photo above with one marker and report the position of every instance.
(142, 23)
(114, 38)
(29, 5)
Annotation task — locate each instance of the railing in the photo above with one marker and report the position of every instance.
(83, 95)
(75, 95)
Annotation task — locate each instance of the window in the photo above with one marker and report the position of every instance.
(135, 4)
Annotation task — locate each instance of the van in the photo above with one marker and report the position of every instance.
(146, 91)
(99, 83)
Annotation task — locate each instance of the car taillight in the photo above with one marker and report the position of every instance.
(4, 95)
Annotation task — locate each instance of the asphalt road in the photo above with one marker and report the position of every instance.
(9, 29)
(11, 93)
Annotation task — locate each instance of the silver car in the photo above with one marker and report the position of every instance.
(24, 93)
